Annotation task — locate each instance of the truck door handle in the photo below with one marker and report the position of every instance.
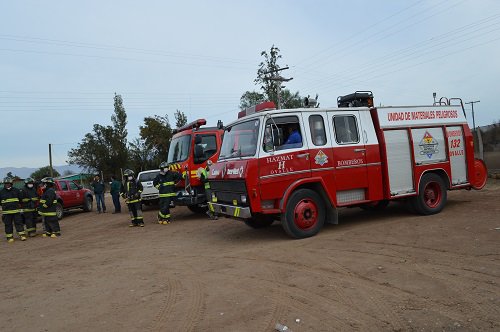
(359, 150)
(303, 155)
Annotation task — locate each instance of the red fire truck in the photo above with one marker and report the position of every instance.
(191, 147)
(353, 155)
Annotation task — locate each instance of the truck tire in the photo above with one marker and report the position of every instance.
(261, 221)
(432, 195)
(304, 215)
(59, 210)
(87, 204)
(198, 208)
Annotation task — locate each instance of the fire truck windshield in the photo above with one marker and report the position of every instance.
(179, 149)
(240, 140)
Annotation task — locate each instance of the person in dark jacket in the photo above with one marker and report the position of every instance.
(131, 190)
(11, 214)
(115, 194)
(47, 209)
(98, 187)
(29, 202)
(165, 183)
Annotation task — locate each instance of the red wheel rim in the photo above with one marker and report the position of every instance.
(306, 214)
(432, 194)
(480, 174)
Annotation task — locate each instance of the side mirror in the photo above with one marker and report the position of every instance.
(277, 136)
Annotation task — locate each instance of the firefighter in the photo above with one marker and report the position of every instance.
(131, 190)
(47, 209)
(11, 213)
(29, 202)
(203, 174)
(165, 183)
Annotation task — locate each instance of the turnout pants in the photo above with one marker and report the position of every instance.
(135, 212)
(210, 212)
(30, 221)
(51, 224)
(164, 212)
(11, 220)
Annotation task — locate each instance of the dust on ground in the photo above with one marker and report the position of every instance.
(384, 271)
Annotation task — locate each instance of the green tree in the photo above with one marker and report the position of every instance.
(105, 149)
(267, 71)
(43, 172)
(268, 68)
(291, 100)
(251, 98)
(180, 119)
(141, 155)
(156, 134)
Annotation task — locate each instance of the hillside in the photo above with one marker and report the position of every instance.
(24, 172)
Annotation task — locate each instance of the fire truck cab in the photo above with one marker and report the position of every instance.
(300, 166)
(190, 149)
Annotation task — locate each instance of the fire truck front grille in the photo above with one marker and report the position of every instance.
(229, 192)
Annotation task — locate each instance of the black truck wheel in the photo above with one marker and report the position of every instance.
(304, 215)
(198, 208)
(432, 195)
(59, 211)
(87, 204)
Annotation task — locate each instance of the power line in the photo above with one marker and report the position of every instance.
(66, 43)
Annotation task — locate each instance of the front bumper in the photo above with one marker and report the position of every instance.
(231, 210)
(184, 198)
(149, 197)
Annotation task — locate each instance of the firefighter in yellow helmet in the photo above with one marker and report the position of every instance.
(11, 213)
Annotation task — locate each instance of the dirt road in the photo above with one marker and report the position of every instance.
(385, 271)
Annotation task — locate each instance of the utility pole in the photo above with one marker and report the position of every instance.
(278, 79)
(473, 120)
(50, 161)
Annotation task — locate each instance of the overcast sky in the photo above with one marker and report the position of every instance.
(62, 61)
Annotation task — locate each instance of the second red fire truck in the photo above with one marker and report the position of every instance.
(191, 147)
(353, 155)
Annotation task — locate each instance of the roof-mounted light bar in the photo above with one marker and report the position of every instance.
(265, 106)
(195, 124)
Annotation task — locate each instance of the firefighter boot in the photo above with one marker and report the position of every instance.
(10, 238)
(166, 222)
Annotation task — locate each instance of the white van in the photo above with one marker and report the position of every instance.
(149, 194)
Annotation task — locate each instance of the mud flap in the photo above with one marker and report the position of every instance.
(332, 216)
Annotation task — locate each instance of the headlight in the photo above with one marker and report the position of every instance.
(243, 198)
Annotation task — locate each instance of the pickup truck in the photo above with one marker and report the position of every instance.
(71, 195)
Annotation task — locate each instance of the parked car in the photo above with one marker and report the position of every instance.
(150, 194)
(71, 195)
